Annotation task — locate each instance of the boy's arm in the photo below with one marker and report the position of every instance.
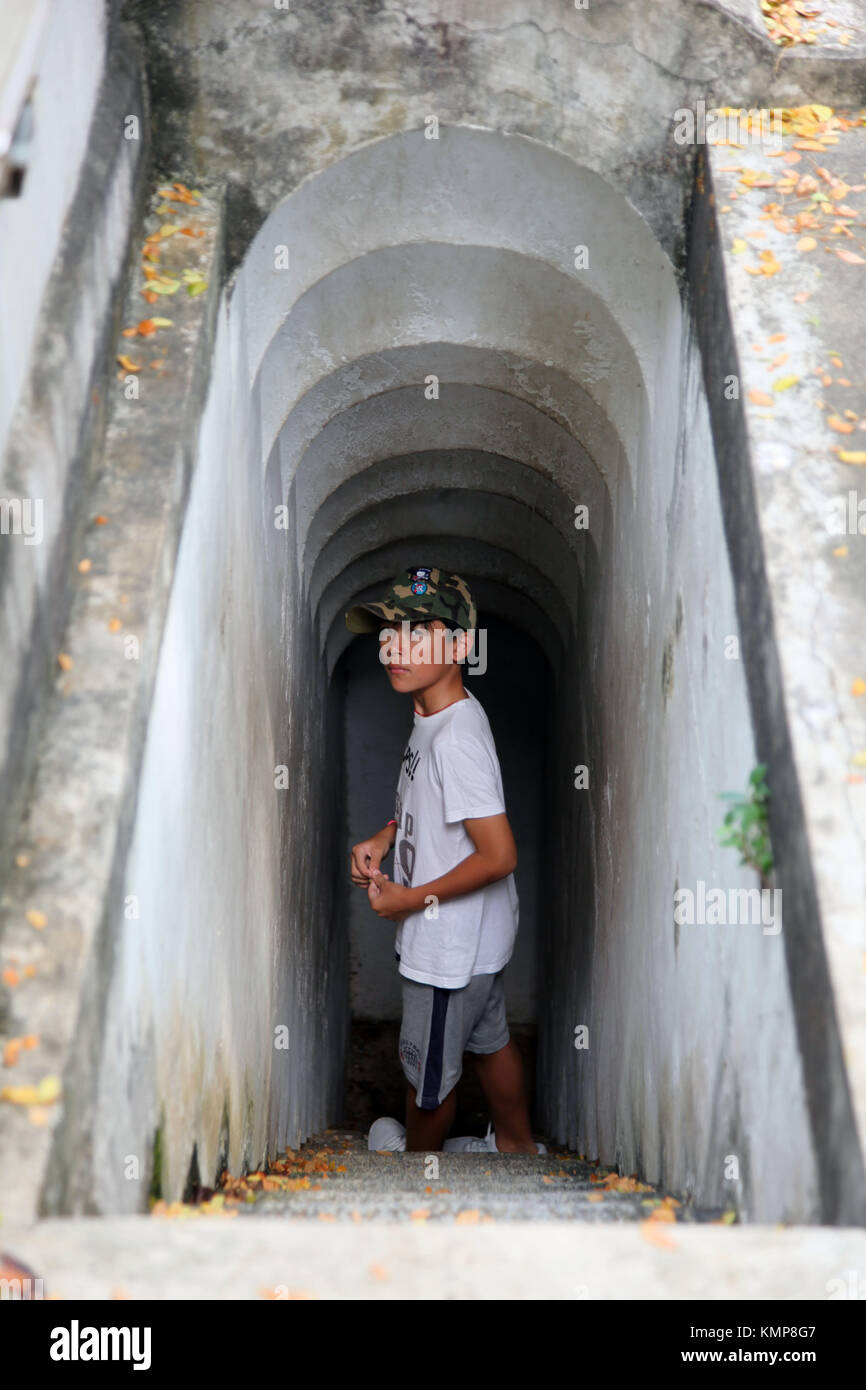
(495, 857)
(368, 854)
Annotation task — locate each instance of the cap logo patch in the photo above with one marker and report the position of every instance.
(418, 579)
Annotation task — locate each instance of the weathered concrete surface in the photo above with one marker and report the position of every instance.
(800, 562)
(76, 832)
(73, 218)
(266, 97)
(232, 1258)
(559, 387)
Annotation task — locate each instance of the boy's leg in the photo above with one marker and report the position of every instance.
(500, 1070)
(428, 1129)
(501, 1076)
(431, 1056)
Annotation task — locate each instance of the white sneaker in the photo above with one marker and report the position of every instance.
(386, 1133)
(471, 1144)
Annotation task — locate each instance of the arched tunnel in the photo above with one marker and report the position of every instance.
(431, 283)
(472, 352)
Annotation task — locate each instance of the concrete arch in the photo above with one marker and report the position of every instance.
(464, 419)
(497, 299)
(540, 384)
(507, 525)
(470, 187)
(454, 472)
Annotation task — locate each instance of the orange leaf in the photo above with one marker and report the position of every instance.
(842, 426)
(858, 686)
(650, 1231)
(850, 256)
(10, 977)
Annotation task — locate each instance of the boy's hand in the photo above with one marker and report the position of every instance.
(367, 856)
(387, 898)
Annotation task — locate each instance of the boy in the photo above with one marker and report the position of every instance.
(453, 896)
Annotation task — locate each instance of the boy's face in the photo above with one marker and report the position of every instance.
(416, 654)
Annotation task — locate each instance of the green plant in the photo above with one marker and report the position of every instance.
(746, 826)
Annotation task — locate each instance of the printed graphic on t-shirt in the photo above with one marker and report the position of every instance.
(404, 857)
(410, 761)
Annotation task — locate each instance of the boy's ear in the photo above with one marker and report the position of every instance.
(466, 644)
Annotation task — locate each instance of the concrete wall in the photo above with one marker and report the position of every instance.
(317, 385)
(691, 1059)
(560, 384)
(67, 68)
(63, 244)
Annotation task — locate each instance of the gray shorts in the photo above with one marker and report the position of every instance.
(439, 1025)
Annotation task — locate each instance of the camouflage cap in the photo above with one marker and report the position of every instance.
(420, 592)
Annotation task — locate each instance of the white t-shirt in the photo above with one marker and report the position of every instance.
(450, 773)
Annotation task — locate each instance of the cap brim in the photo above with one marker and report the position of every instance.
(362, 619)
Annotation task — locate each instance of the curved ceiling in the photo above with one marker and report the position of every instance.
(431, 370)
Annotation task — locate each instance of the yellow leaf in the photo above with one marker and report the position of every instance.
(851, 455)
(35, 918)
(45, 1093)
(806, 243)
(785, 382)
(739, 245)
(858, 686)
(859, 759)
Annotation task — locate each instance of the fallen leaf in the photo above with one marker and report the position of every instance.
(64, 661)
(650, 1231)
(784, 383)
(858, 686)
(836, 423)
(35, 918)
(45, 1093)
(760, 398)
(22, 860)
(84, 565)
(851, 455)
